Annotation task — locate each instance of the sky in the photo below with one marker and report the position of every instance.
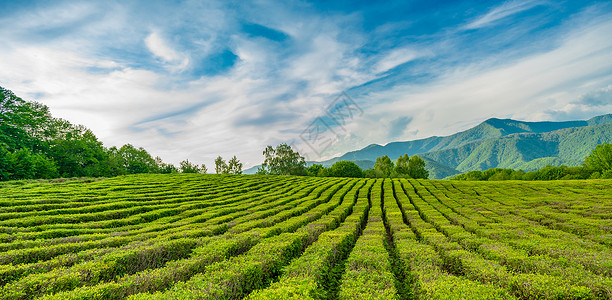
(198, 79)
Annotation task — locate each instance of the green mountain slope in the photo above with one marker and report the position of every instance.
(502, 143)
(491, 128)
(527, 151)
(496, 143)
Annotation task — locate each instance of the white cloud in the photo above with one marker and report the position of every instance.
(159, 48)
(397, 57)
(507, 9)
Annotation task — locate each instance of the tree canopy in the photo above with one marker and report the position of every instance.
(408, 167)
(416, 168)
(33, 144)
(344, 169)
(600, 158)
(282, 160)
(233, 166)
(383, 166)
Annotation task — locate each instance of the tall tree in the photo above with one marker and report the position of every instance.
(234, 166)
(23, 124)
(164, 168)
(137, 160)
(383, 166)
(188, 167)
(282, 160)
(402, 165)
(33, 144)
(344, 168)
(220, 166)
(315, 170)
(77, 151)
(416, 168)
(600, 158)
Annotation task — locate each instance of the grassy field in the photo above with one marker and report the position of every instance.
(281, 237)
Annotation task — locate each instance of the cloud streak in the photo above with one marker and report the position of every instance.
(160, 49)
(505, 10)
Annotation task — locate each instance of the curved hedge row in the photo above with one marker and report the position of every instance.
(191, 236)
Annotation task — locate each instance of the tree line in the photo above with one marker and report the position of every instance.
(283, 160)
(597, 165)
(33, 145)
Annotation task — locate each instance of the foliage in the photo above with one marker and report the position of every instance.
(164, 168)
(407, 167)
(33, 144)
(315, 170)
(135, 160)
(187, 167)
(234, 166)
(594, 167)
(416, 168)
(282, 160)
(402, 167)
(221, 166)
(546, 173)
(383, 166)
(344, 169)
(600, 158)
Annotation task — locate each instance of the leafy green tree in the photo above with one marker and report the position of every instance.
(600, 158)
(188, 167)
(315, 170)
(21, 165)
(24, 164)
(137, 160)
(416, 168)
(383, 166)
(164, 168)
(203, 169)
(373, 173)
(234, 166)
(77, 153)
(44, 167)
(58, 148)
(220, 166)
(282, 160)
(4, 162)
(344, 169)
(401, 168)
(23, 124)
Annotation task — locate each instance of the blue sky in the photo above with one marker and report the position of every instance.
(197, 79)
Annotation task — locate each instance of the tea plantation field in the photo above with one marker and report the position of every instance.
(190, 236)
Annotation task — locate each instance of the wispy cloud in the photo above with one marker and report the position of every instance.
(170, 56)
(505, 10)
(397, 57)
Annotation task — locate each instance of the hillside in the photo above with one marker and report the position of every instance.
(503, 143)
(491, 128)
(527, 151)
(174, 236)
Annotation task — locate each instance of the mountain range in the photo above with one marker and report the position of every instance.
(495, 143)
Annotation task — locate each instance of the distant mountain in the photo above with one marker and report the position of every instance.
(527, 151)
(491, 128)
(504, 143)
(494, 143)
